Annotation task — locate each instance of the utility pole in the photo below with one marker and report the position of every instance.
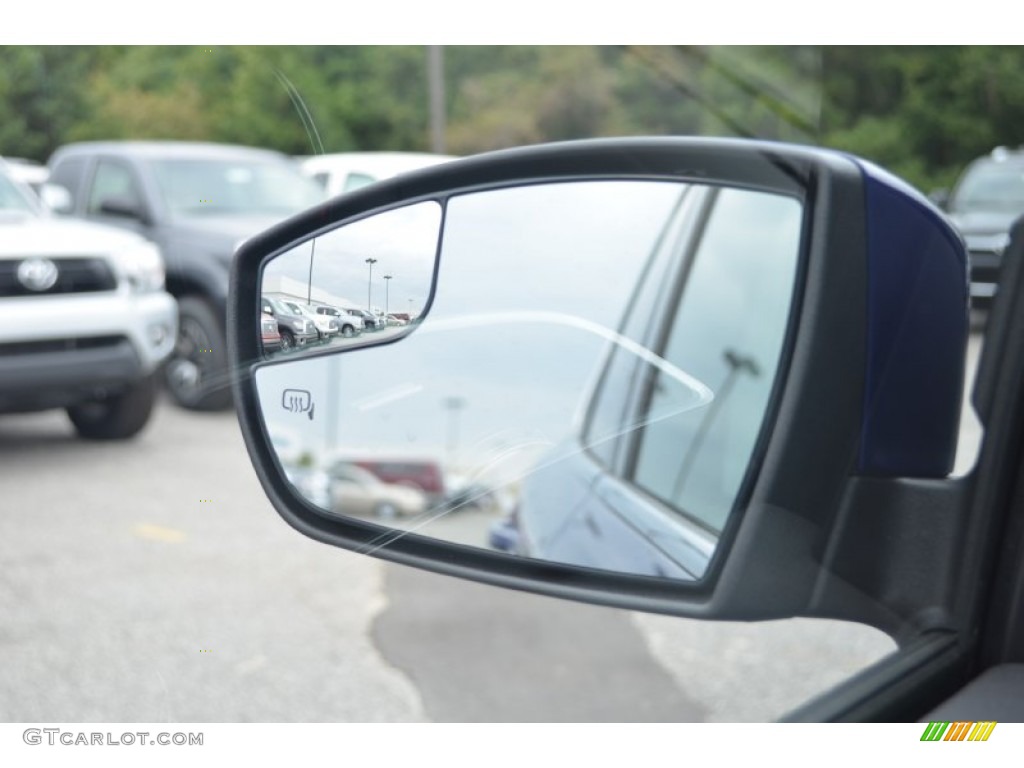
(387, 295)
(435, 88)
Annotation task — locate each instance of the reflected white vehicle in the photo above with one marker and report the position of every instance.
(326, 325)
(350, 322)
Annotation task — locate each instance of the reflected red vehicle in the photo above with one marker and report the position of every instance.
(425, 475)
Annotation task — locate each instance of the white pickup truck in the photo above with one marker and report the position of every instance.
(84, 319)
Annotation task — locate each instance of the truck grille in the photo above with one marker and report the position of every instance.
(58, 345)
(73, 276)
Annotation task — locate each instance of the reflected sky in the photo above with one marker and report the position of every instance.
(599, 356)
(403, 242)
(549, 254)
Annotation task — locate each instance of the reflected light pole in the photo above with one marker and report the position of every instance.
(387, 294)
(737, 364)
(309, 284)
(369, 285)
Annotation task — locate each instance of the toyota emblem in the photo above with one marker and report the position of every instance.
(37, 274)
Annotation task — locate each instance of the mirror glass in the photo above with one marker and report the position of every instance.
(360, 284)
(588, 385)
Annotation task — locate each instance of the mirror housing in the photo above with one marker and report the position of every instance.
(124, 208)
(56, 198)
(868, 390)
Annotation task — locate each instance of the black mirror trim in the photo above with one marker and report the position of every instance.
(770, 563)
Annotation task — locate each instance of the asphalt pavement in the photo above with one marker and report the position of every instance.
(151, 581)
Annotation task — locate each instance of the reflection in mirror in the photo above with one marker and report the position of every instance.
(588, 386)
(361, 283)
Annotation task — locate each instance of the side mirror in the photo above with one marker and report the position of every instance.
(56, 198)
(664, 368)
(123, 207)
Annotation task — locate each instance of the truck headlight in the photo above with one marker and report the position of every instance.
(142, 267)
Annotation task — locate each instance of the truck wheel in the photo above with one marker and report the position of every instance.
(287, 340)
(118, 417)
(348, 331)
(196, 374)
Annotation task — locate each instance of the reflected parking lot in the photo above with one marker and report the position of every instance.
(114, 578)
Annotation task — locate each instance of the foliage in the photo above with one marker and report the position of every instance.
(924, 112)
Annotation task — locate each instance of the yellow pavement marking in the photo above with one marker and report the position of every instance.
(158, 533)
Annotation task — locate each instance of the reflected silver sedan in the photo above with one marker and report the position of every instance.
(355, 491)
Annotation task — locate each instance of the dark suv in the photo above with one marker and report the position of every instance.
(196, 202)
(984, 203)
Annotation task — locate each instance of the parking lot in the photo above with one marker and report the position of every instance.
(152, 581)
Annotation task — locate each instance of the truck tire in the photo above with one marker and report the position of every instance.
(196, 374)
(118, 417)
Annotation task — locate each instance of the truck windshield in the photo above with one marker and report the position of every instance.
(194, 187)
(13, 199)
(991, 186)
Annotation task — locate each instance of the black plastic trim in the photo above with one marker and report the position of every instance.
(775, 550)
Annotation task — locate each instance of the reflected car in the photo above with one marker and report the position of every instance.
(647, 483)
(357, 491)
(424, 476)
(270, 336)
(471, 496)
(326, 326)
(370, 321)
(358, 317)
(503, 534)
(349, 323)
(295, 328)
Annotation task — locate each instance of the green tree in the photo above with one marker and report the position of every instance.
(41, 96)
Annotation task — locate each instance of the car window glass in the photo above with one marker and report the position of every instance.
(607, 426)
(203, 186)
(727, 331)
(112, 180)
(68, 173)
(356, 180)
(992, 186)
(11, 198)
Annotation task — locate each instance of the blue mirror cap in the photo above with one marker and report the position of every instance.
(918, 319)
